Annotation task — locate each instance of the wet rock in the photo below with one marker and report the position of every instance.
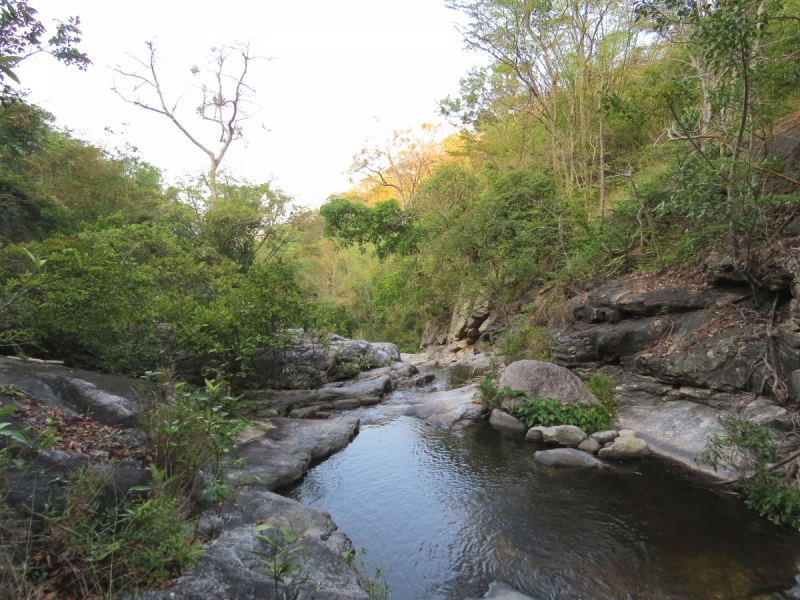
(501, 591)
(564, 435)
(567, 458)
(543, 380)
(283, 453)
(535, 434)
(450, 409)
(626, 448)
(605, 436)
(228, 569)
(590, 445)
(346, 404)
(503, 420)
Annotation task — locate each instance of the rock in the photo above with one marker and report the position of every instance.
(108, 399)
(209, 526)
(535, 434)
(419, 381)
(564, 435)
(590, 445)
(282, 402)
(449, 409)
(469, 313)
(228, 567)
(308, 360)
(567, 458)
(391, 350)
(503, 420)
(605, 436)
(608, 444)
(285, 451)
(626, 448)
(431, 335)
(346, 404)
(543, 380)
(626, 433)
(402, 369)
(796, 384)
(311, 412)
(501, 591)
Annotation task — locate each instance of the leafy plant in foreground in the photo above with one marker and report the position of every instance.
(284, 561)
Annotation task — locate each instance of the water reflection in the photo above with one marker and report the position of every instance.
(451, 511)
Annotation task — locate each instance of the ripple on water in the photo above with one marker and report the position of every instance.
(450, 511)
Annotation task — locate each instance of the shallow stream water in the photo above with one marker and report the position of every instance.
(448, 512)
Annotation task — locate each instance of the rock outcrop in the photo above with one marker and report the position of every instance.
(306, 361)
(684, 355)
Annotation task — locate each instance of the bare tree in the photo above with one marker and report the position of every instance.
(401, 161)
(226, 99)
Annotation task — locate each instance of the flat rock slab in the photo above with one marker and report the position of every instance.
(451, 409)
(109, 399)
(283, 402)
(285, 451)
(567, 458)
(501, 591)
(229, 568)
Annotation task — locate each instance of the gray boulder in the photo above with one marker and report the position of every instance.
(451, 409)
(626, 433)
(605, 436)
(391, 350)
(565, 458)
(563, 435)
(503, 420)
(625, 448)
(590, 445)
(535, 434)
(544, 380)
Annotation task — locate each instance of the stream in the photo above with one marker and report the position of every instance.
(447, 512)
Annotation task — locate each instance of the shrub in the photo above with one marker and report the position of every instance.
(748, 449)
(547, 412)
(191, 433)
(525, 343)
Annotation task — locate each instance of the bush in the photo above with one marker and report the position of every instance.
(191, 433)
(748, 449)
(525, 343)
(547, 412)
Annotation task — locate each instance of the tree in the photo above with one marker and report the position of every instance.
(21, 36)
(400, 162)
(225, 99)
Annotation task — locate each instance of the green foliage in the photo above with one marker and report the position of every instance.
(748, 449)
(376, 584)
(191, 432)
(489, 395)
(386, 226)
(284, 561)
(547, 412)
(525, 343)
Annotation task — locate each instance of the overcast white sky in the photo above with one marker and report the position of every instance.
(337, 65)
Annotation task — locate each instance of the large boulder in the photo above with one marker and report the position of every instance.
(567, 458)
(543, 380)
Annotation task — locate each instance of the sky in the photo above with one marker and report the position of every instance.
(336, 66)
